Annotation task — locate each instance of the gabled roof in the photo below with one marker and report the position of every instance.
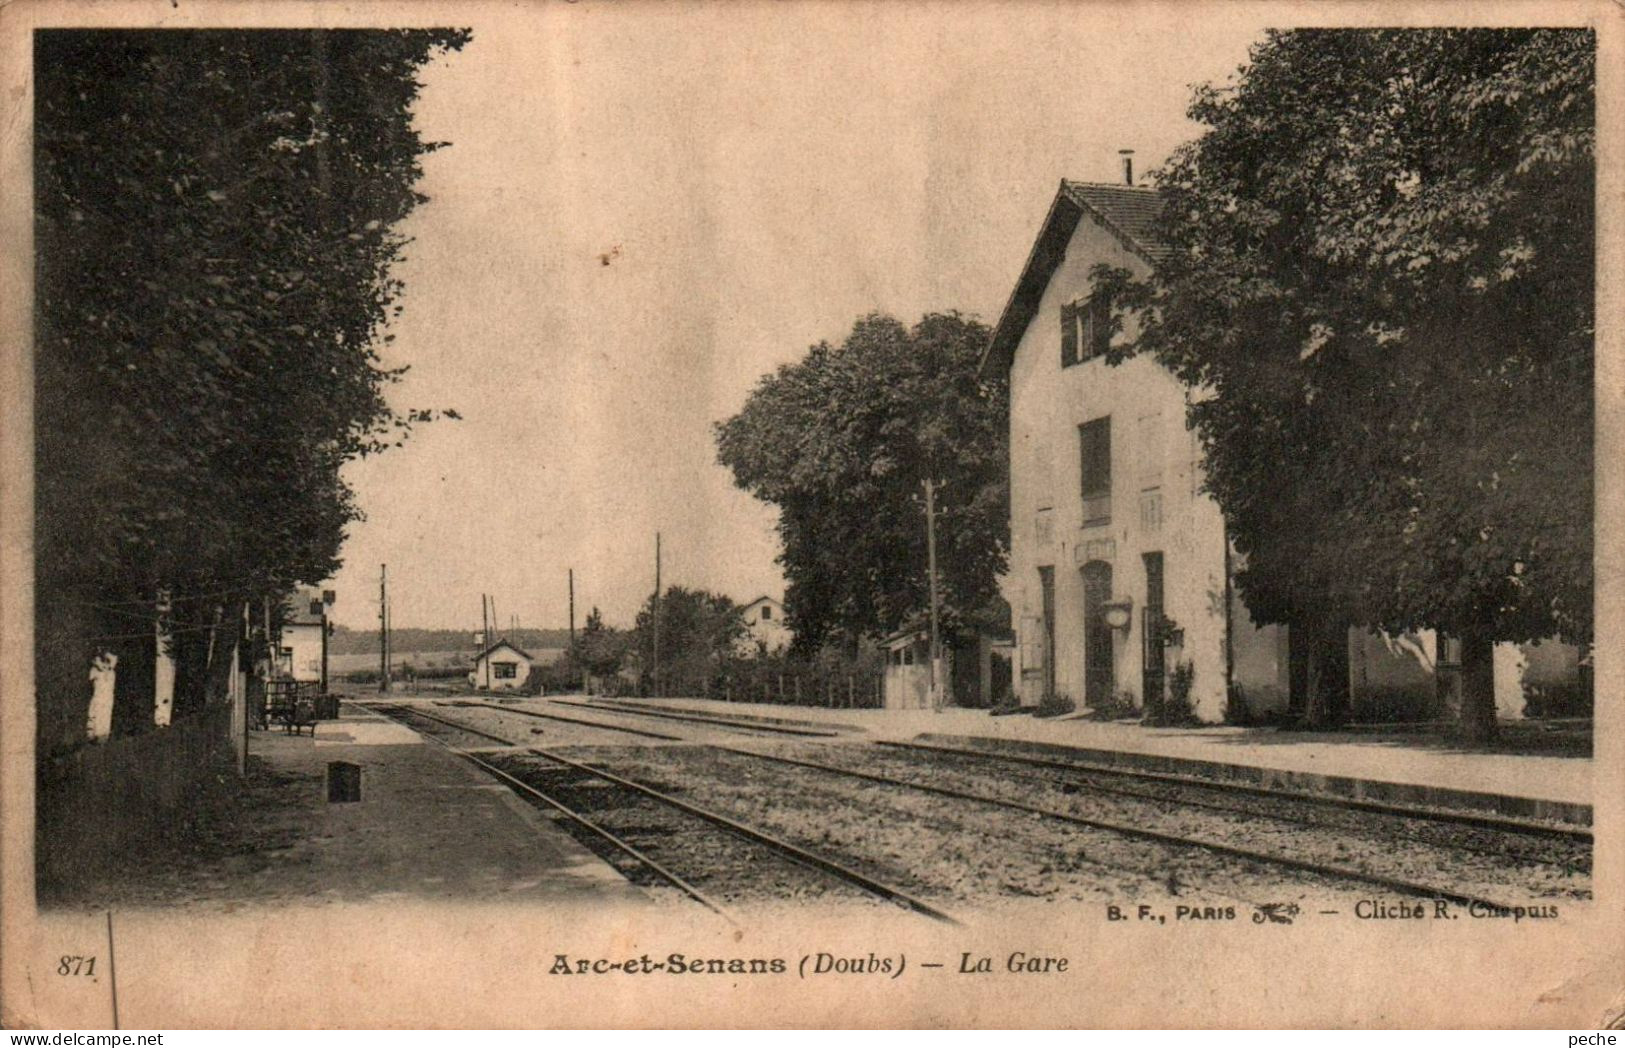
(296, 607)
(1129, 213)
(758, 600)
(504, 643)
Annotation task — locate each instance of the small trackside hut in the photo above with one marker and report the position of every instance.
(501, 667)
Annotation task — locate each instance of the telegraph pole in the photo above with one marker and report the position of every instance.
(931, 559)
(656, 616)
(572, 608)
(383, 627)
(485, 633)
(389, 645)
(327, 602)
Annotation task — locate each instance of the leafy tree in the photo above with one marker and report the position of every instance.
(599, 649)
(842, 442)
(1381, 280)
(697, 631)
(215, 216)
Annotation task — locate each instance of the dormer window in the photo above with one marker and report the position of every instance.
(1085, 329)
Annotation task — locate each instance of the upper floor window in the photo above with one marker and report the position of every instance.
(1085, 329)
(767, 612)
(1150, 453)
(1095, 460)
(1151, 509)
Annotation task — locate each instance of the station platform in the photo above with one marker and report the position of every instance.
(1422, 769)
(428, 826)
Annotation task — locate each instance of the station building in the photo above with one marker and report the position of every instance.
(1120, 570)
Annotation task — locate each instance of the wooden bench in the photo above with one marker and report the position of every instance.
(291, 704)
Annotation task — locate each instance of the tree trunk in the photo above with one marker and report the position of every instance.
(1477, 685)
(1323, 673)
(1315, 699)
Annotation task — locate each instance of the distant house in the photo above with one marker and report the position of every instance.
(299, 646)
(764, 626)
(501, 667)
(976, 663)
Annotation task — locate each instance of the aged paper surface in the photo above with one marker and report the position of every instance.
(408, 962)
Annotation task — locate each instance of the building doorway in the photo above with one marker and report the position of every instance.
(1099, 675)
(1153, 637)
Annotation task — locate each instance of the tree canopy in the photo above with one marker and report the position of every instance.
(696, 631)
(1381, 282)
(842, 441)
(600, 649)
(216, 226)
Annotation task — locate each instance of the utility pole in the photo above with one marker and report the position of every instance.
(383, 627)
(931, 559)
(389, 645)
(489, 642)
(485, 634)
(327, 602)
(572, 608)
(656, 617)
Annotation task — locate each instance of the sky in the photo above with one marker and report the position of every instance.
(645, 209)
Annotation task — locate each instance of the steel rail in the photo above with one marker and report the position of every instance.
(1230, 851)
(569, 720)
(721, 723)
(1232, 809)
(1488, 822)
(784, 848)
(525, 788)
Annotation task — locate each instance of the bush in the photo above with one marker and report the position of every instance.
(1558, 700)
(1121, 704)
(562, 676)
(1055, 706)
(1176, 707)
(433, 672)
(1236, 709)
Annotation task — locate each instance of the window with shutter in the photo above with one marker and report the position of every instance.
(1069, 334)
(1095, 318)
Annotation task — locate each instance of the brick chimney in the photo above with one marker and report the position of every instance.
(1128, 165)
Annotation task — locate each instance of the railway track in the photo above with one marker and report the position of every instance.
(1302, 866)
(518, 711)
(717, 722)
(404, 715)
(1325, 870)
(1408, 823)
(1487, 836)
(1483, 821)
(524, 780)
